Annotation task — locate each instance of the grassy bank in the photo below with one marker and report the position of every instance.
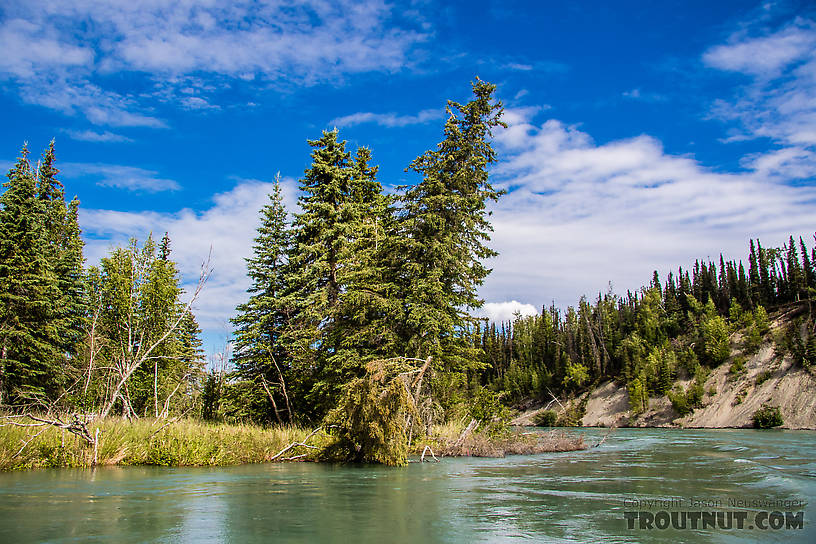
(146, 442)
(196, 443)
(454, 440)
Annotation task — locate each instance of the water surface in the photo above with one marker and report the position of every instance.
(574, 496)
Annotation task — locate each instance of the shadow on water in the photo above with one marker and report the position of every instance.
(572, 496)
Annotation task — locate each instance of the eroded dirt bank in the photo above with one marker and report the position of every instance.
(730, 399)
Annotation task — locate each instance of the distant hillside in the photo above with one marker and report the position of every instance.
(732, 392)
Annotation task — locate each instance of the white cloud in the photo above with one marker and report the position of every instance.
(228, 226)
(197, 103)
(97, 105)
(765, 56)
(499, 312)
(780, 101)
(60, 54)
(26, 48)
(387, 119)
(580, 215)
(122, 177)
(637, 94)
(93, 136)
(519, 67)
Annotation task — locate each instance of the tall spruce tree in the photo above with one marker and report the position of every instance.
(321, 236)
(29, 293)
(445, 228)
(64, 252)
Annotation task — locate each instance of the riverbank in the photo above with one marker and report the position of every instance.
(145, 442)
(729, 401)
(190, 442)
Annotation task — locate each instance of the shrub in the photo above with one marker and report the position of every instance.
(761, 320)
(545, 418)
(694, 395)
(573, 415)
(738, 317)
(737, 365)
(763, 377)
(485, 405)
(638, 395)
(767, 417)
(684, 402)
(740, 396)
(679, 402)
(752, 339)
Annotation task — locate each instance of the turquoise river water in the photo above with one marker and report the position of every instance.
(639, 486)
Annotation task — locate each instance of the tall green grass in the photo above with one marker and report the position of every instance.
(149, 442)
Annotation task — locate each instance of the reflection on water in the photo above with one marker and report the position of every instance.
(574, 496)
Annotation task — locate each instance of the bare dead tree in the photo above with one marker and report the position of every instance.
(137, 351)
(271, 399)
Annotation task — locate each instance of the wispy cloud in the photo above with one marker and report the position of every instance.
(93, 136)
(532, 65)
(643, 96)
(765, 56)
(60, 54)
(121, 177)
(780, 101)
(387, 119)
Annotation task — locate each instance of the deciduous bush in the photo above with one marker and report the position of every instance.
(545, 418)
(767, 417)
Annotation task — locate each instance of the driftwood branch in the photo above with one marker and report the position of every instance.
(427, 449)
(556, 399)
(283, 388)
(465, 433)
(296, 444)
(605, 436)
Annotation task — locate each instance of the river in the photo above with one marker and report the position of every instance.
(659, 475)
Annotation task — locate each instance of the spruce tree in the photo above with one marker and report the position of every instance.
(259, 353)
(795, 275)
(64, 252)
(29, 292)
(368, 308)
(445, 228)
(808, 271)
(321, 236)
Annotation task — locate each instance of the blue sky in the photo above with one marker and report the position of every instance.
(641, 135)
